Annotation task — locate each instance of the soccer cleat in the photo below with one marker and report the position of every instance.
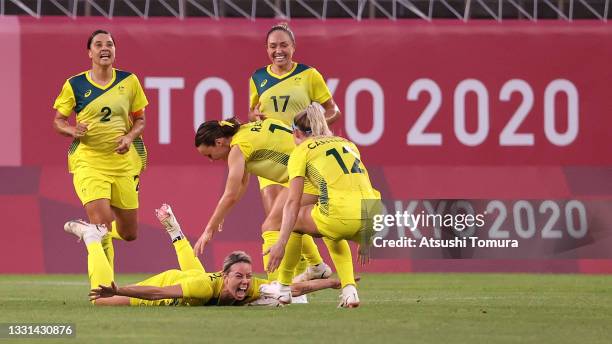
(276, 291)
(299, 299)
(349, 297)
(80, 229)
(319, 271)
(266, 301)
(168, 220)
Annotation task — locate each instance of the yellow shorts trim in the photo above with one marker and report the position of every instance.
(122, 191)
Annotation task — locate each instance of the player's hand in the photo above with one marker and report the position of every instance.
(207, 236)
(363, 254)
(123, 144)
(79, 130)
(276, 252)
(256, 114)
(103, 291)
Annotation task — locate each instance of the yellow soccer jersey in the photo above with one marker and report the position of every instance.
(106, 110)
(283, 96)
(333, 164)
(199, 288)
(266, 146)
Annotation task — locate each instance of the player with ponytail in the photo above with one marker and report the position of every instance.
(343, 211)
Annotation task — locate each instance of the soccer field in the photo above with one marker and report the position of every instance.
(416, 308)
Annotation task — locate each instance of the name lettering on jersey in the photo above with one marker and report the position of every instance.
(88, 93)
(257, 126)
(321, 142)
(263, 83)
(215, 276)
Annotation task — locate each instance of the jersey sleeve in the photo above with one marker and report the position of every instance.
(65, 102)
(244, 145)
(297, 162)
(139, 100)
(197, 287)
(318, 88)
(256, 283)
(253, 96)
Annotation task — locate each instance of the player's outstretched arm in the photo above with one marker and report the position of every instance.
(301, 288)
(290, 214)
(137, 291)
(231, 195)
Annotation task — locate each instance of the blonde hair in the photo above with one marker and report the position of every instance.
(312, 121)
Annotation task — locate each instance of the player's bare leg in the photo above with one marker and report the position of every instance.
(127, 223)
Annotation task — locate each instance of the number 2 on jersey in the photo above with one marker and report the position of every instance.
(354, 169)
(286, 98)
(106, 114)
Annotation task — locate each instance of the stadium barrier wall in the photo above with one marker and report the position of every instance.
(511, 118)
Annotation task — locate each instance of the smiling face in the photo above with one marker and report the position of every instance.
(238, 280)
(102, 50)
(280, 49)
(219, 151)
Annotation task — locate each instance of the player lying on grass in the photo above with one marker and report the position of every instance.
(189, 286)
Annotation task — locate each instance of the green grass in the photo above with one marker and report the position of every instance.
(406, 308)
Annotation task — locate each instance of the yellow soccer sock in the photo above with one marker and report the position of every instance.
(186, 257)
(291, 259)
(100, 272)
(310, 251)
(340, 253)
(109, 250)
(113, 232)
(302, 264)
(269, 238)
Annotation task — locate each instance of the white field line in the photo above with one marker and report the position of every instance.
(58, 283)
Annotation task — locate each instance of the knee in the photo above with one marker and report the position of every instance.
(127, 232)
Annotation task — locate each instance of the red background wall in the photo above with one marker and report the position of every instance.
(388, 57)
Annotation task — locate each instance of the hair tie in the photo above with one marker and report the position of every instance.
(224, 123)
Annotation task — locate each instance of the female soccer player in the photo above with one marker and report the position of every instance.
(261, 148)
(280, 90)
(189, 286)
(345, 206)
(107, 153)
